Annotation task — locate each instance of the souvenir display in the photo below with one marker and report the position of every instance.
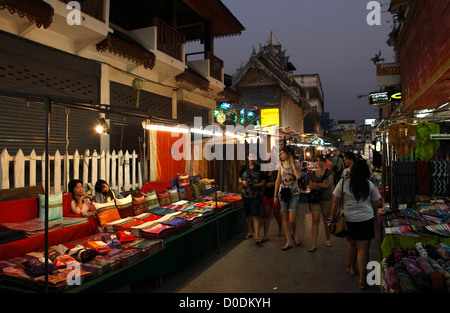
(131, 228)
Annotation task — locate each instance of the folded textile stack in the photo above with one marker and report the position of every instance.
(137, 230)
(158, 231)
(180, 224)
(96, 255)
(7, 234)
(206, 212)
(419, 268)
(71, 221)
(175, 207)
(147, 246)
(111, 226)
(193, 217)
(425, 220)
(160, 211)
(28, 272)
(147, 217)
(34, 227)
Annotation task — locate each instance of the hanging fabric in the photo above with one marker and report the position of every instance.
(403, 138)
(425, 146)
(423, 181)
(168, 167)
(153, 155)
(443, 153)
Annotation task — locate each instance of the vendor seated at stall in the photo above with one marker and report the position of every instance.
(81, 203)
(104, 194)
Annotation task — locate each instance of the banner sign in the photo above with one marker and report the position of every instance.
(270, 117)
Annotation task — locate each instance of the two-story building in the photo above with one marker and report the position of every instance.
(124, 61)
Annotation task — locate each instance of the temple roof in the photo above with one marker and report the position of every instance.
(271, 59)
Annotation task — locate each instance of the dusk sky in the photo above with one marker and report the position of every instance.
(327, 37)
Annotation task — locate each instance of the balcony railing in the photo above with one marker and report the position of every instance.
(94, 8)
(215, 66)
(169, 40)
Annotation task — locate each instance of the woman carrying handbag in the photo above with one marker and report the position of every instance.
(287, 195)
(361, 200)
(322, 182)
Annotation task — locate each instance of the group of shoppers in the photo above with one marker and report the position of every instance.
(279, 192)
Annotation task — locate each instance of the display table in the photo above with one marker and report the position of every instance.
(392, 241)
(178, 251)
(415, 249)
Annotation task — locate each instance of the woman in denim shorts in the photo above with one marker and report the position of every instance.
(287, 183)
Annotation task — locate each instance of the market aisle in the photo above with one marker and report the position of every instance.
(243, 267)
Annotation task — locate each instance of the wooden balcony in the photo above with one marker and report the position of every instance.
(94, 8)
(169, 40)
(215, 66)
(210, 66)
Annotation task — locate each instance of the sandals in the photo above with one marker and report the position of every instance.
(248, 236)
(297, 242)
(286, 248)
(312, 249)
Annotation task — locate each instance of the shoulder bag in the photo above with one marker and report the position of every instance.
(338, 225)
(315, 196)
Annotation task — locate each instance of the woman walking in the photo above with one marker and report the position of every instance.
(322, 180)
(288, 191)
(252, 180)
(361, 199)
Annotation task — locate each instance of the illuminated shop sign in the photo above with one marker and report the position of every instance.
(385, 97)
(270, 117)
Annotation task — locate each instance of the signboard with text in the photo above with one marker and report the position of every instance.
(388, 74)
(383, 97)
(270, 117)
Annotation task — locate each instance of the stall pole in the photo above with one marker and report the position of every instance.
(48, 110)
(215, 195)
(383, 170)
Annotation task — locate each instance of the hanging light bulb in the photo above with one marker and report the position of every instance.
(102, 127)
(99, 129)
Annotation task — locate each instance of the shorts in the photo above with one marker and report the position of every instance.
(291, 206)
(252, 206)
(322, 206)
(269, 202)
(361, 230)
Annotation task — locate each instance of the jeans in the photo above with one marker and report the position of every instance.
(291, 205)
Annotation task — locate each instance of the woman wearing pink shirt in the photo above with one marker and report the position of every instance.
(81, 203)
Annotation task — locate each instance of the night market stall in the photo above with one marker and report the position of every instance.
(143, 236)
(415, 220)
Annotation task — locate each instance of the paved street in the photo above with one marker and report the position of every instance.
(242, 267)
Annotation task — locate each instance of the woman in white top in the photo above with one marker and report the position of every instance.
(287, 195)
(361, 199)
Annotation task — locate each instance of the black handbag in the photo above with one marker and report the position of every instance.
(285, 194)
(314, 196)
(338, 225)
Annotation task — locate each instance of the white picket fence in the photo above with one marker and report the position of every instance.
(121, 170)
